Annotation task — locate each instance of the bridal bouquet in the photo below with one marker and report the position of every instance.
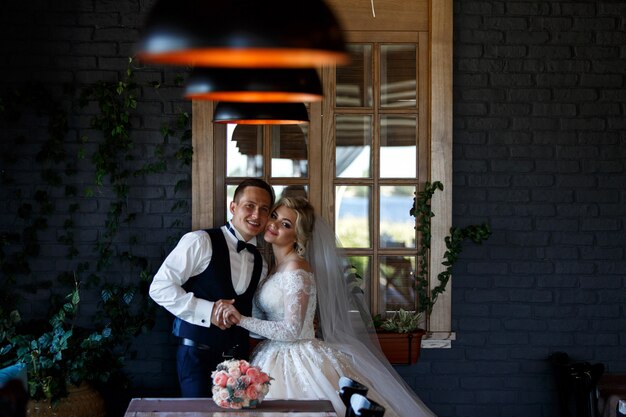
(237, 384)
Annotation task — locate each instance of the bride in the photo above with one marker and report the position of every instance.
(284, 309)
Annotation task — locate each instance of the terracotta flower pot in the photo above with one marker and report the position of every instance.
(401, 348)
(82, 401)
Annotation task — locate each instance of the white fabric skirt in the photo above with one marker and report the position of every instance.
(309, 370)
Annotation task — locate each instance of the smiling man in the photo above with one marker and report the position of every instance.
(206, 271)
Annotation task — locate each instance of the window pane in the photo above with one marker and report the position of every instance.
(279, 191)
(398, 150)
(352, 216)
(354, 82)
(396, 283)
(291, 190)
(230, 192)
(244, 151)
(289, 151)
(397, 226)
(398, 75)
(353, 146)
(362, 268)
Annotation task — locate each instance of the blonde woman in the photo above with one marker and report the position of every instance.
(307, 276)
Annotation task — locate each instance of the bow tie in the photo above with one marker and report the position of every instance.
(241, 245)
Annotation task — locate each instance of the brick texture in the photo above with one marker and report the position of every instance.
(539, 153)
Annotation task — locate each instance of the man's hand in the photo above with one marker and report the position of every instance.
(217, 315)
(232, 316)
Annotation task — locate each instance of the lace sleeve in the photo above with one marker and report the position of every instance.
(257, 312)
(297, 287)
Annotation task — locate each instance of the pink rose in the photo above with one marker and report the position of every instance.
(243, 366)
(253, 373)
(231, 381)
(251, 392)
(264, 378)
(224, 394)
(220, 379)
(220, 395)
(234, 371)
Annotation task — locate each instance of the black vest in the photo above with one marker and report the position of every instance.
(215, 283)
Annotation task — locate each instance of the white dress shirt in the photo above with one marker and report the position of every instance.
(189, 258)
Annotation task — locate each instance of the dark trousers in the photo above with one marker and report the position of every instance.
(194, 368)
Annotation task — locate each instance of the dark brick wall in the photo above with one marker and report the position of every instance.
(67, 46)
(539, 153)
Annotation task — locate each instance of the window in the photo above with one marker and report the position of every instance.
(380, 158)
(383, 128)
(279, 154)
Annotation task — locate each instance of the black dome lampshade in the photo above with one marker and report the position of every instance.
(242, 33)
(254, 85)
(260, 113)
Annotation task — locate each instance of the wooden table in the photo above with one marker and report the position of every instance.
(612, 388)
(205, 407)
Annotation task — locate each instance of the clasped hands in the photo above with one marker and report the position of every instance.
(224, 314)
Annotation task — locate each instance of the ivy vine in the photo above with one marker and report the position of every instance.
(116, 165)
(423, 214)
(125, 308)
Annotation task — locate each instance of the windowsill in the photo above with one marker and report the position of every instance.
(438, 340)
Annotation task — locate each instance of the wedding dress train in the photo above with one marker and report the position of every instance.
(304, 367)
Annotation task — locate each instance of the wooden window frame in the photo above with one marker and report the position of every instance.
(432, 20)
(376, 111)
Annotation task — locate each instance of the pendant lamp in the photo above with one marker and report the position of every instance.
(242, 33)
(260, 113)
(254, 85)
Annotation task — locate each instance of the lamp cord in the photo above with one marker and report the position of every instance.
(373, 11)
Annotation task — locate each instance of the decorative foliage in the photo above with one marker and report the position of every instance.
(59, 351)
(61, 354)
(402, 321)
(405, 321)
(454, 246)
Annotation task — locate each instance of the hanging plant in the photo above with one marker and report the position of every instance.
(423, 214)
(405, 321)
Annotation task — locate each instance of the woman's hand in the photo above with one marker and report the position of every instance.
(218, 317)
(232, 316)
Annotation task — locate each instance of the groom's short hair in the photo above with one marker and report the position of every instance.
(254, 182)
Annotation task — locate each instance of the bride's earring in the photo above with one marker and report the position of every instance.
(299, 249)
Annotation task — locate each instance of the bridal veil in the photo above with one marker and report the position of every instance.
(345, 322)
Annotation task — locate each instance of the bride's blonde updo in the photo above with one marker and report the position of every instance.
(305, 220)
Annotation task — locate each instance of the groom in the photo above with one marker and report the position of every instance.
(207, 271)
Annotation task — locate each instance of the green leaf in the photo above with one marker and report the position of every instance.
(106, 295)
(129, 295)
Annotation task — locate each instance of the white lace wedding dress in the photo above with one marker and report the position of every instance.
(302, 366)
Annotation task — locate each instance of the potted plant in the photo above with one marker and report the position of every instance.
(400, 335)
(60, 357)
